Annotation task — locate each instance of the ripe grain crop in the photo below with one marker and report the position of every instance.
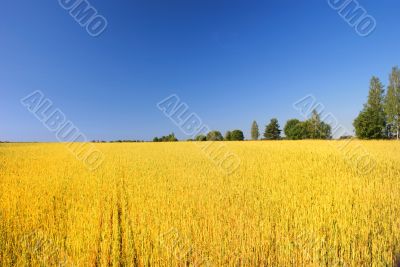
(290, 203)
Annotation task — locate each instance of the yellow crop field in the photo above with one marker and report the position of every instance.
(290, 203)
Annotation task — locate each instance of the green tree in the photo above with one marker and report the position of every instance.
(169, 138)
(325, 131)
(303, 130)
(201, 137)
(291, 129)
(313, 128)
(315, 122)
(255, 133)
(318, 129)
(214, 136)
(392, 103)
(237, 135)
(371, 123)
(172, 138)
(272, 131)
(228, 136)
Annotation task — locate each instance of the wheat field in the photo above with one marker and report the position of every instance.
(290, 203)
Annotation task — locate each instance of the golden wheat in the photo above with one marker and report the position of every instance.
(300, 203)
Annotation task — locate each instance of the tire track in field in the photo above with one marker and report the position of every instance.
(115, 244)
(100, 237)
(129, 231)
(120, 240)
(111, 224)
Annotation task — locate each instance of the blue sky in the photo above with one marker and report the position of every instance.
(231, 61)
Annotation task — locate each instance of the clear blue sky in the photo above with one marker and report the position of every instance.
(231, 61)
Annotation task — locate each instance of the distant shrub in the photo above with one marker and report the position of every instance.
(201, 137)
(237, 135)
(228, 136)
(214, 136)
(167, 138)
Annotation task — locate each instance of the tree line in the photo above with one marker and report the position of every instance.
(379, 119)
(167, 138)
(294, 129)
(380, 116)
